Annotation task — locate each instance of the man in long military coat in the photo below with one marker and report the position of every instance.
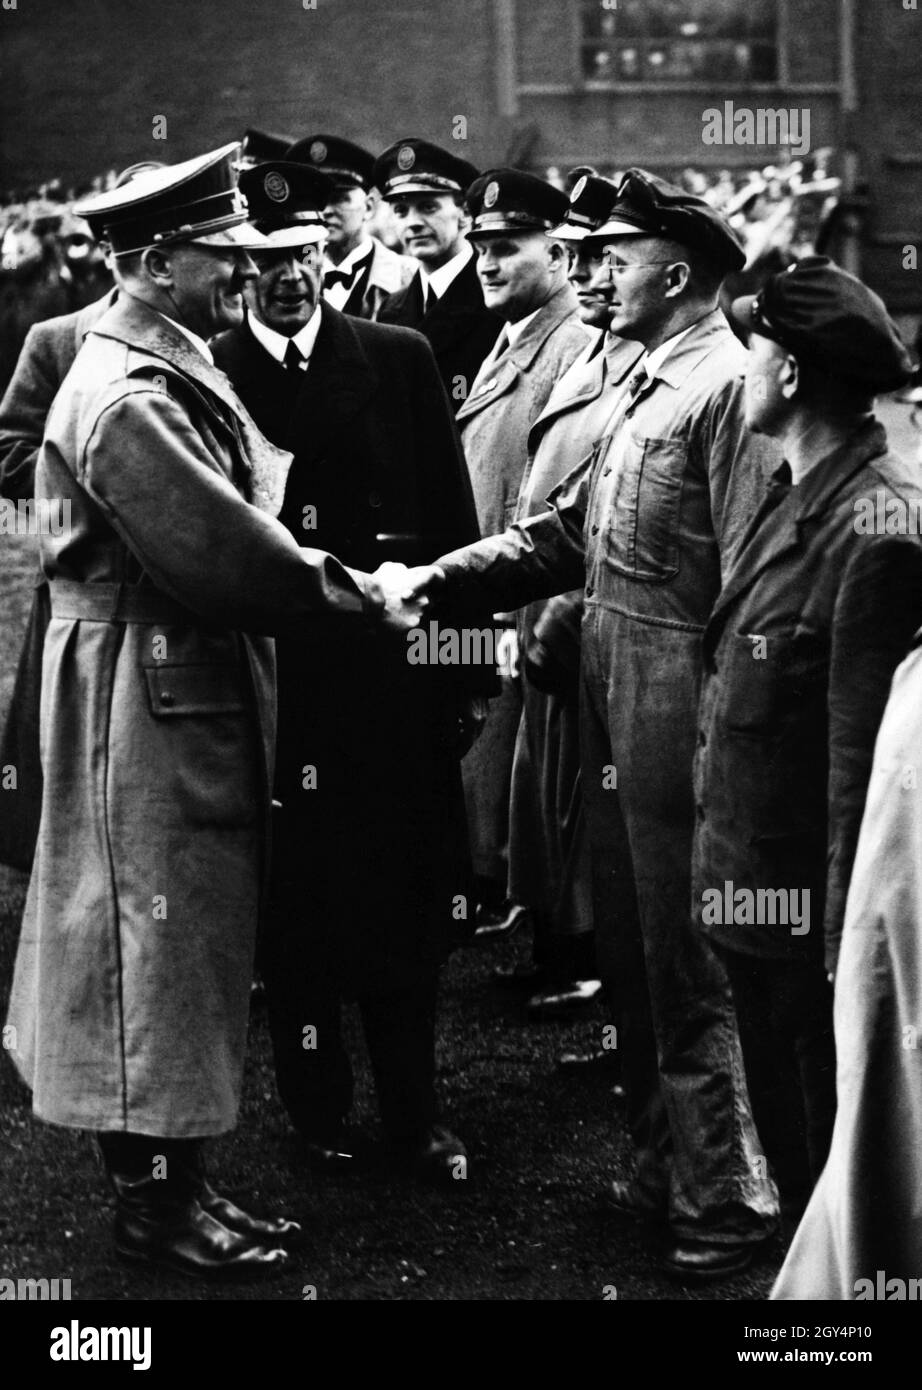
(131, 989)
(371, 873)
(425, 186)
(522, 272)
(648, 525)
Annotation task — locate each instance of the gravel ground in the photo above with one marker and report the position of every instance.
(528, 1223)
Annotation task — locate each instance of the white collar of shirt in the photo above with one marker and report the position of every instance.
(276, 344)
(440, 279)
(515, 330)
(348, 263)
(198, 343)
(652, 361)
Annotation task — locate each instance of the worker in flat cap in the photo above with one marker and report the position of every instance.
(523, 275)
(359, 271)
(425, 187)
(377, 475)
(816, 612)
(648, 525)
(132, 981)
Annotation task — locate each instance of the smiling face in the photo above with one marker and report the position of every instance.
(207, 286)
(517, 271)
(288, 287)
(590, 278)
(639, 271)
(431, 226)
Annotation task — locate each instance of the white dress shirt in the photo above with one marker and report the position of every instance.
(337, 295)
(276, 344)
(437, 283)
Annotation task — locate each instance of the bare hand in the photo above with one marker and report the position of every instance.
(403, 609)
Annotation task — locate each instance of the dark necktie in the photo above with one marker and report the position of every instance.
(293, 356)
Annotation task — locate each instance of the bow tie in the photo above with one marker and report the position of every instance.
(339, 277)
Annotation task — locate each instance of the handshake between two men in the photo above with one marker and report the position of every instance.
(407, 593)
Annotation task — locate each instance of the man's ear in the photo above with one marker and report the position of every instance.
(556, 255)
(789, 377)
(371, 205)
(464, 219)
(158, 264)
(677, 278)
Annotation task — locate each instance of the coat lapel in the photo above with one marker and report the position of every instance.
(136, 324)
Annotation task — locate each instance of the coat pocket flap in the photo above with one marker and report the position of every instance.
(195, 689)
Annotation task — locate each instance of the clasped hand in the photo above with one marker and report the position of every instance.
(406, 593)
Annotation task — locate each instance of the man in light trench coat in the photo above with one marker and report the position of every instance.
(132, 980)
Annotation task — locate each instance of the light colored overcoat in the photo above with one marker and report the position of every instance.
(132, 978)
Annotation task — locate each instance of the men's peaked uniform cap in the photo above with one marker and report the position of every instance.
(346, 164)
(646, 205)
(286, 201)
(826, 317)
(259, 145)
(196, 201)
(591, 200)
(416, 166)
(509, 200)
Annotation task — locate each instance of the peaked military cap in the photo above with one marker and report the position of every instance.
(646, 205)
(415, 166)
(346, 164)
(828, 318)
(198, 200)
(509, 200)
(259, 146)
(591, 200)
(286, 201)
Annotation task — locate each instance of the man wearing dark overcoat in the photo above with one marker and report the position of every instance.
(425, 186)
(371, 876)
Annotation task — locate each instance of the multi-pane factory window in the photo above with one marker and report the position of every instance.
(679, 41)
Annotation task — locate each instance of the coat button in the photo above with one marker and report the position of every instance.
(595, 530)
(605, 472)
(374, 499)
(589, 591)
(702, 737)
(167, 699)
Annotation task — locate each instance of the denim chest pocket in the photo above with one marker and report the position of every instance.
(643, 528)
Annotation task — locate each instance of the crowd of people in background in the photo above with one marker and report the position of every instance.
(301, 399)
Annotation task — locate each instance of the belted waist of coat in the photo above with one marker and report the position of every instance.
(116, 603)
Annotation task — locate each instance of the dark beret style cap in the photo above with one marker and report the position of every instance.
(416, 166)
(286, 201)
(347, 164)
(509, 200)
(826, 317)
(646, 205)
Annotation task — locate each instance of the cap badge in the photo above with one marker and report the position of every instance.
(276, 187)
(406, 157)
(317, 151)
(578, 189)
(490, 194)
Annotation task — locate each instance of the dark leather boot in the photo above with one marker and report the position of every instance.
(271, 1230)
(160, 1221)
